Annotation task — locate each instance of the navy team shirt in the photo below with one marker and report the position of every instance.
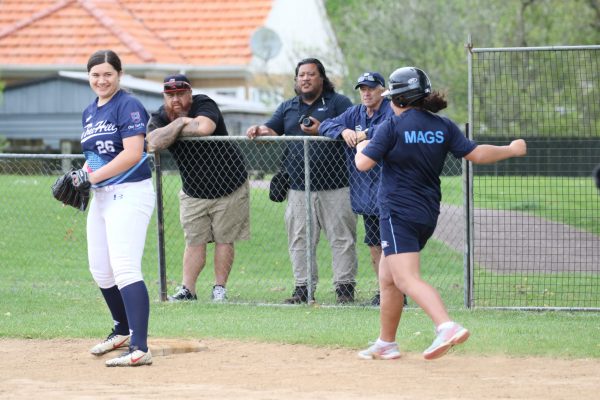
(104, 129)
(413, 147)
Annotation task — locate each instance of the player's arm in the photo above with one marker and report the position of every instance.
(487, 153)
(162, 138)
(363, 162)
(199, 126)
(133, 148)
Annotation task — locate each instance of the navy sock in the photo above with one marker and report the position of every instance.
(114, 301)
(137, 304)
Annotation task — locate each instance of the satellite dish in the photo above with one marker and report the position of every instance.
(265, 43)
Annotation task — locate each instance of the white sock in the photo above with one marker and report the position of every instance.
(444, 325)
(382, 343)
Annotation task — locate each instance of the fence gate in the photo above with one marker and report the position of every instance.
(534, 221)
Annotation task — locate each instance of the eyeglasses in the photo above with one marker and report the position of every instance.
(369, 78)
(174, 86)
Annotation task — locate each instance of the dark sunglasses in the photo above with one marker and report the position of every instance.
(176, 85)
(369, 78)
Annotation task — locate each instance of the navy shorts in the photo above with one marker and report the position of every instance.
(401, 236)
(372, 237)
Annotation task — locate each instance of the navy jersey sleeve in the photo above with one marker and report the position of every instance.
(133, 118)
(459, 144)
(381, 143)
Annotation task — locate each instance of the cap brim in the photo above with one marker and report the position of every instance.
(386, 93)
(367, 83)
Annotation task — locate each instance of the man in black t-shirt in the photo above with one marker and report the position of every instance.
(214, 200)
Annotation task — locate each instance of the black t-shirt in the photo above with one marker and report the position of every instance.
(209, 168)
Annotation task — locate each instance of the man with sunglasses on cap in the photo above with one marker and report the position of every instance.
(214, 200)
(353, 126)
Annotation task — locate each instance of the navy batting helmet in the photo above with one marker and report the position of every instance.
(407, 85)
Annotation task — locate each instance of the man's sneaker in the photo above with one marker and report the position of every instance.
(112, 342)
(132, 358)
(344, 293)
(376, 352)
(445, 340)
(183, 294)
(376, 300)
(299, 296)
(219, 294)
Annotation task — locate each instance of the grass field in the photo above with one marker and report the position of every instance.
(47, 292)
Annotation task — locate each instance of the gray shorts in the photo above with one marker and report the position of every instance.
(222, 220)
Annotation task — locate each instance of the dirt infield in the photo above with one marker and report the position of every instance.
(62, 369)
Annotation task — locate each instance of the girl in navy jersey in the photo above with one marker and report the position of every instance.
(413, 146)
(117, 170)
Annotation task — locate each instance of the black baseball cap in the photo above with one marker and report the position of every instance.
(175, 83)
(370, 79)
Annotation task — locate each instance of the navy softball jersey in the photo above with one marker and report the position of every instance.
(413, 147)
(104, 129)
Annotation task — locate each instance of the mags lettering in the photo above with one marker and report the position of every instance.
(428, 137)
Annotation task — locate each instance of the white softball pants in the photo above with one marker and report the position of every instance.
(117, 222)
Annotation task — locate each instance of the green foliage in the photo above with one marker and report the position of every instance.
(384, 35)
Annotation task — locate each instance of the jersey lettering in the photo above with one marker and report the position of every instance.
(427, 137)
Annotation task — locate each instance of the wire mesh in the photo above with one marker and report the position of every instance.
(536, 220)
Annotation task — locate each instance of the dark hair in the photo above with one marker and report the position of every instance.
(327, 85)
(104, 56)
(435, 102)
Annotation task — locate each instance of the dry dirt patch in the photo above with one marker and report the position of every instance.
(62, 369)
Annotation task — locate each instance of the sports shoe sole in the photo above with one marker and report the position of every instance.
(458, 338)
(378, 357)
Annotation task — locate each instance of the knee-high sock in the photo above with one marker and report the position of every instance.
(114, 301)
(137, 305)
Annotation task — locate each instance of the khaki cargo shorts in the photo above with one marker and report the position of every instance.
(222, 220)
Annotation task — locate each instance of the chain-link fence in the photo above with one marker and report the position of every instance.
(38, 231)
(536, 220)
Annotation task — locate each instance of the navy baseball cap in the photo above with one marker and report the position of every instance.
(176, 82)
(370, 79)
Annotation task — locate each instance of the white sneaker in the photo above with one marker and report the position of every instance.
(112, 342)
(376, 352)
(219, 293)
(445, 340)
(131, 359)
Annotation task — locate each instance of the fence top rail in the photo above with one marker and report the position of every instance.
(523, 49)
(261, 138)
(41, 156)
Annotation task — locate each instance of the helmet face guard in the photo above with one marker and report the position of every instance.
(407, 85)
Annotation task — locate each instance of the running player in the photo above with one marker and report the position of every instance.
(116, 167)
(413, 146)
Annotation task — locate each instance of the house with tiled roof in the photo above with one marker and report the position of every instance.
(212, 41)
(209, 40)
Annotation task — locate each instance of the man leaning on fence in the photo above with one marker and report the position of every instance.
(353, 126)
(214, 200)
(316, 101)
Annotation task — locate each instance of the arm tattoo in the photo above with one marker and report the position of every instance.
(162, 138)
(191, 129)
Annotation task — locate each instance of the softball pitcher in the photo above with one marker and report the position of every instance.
(117, 170)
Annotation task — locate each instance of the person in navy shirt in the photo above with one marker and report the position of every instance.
(118, 172)
(353, 126)
(316, 101)
(413, 146)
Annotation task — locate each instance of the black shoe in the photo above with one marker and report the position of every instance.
(405, 300)
(299, 296)
(376, 300)
(345, 293)
(183, 294)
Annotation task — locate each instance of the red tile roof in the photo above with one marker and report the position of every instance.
(190, 32)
